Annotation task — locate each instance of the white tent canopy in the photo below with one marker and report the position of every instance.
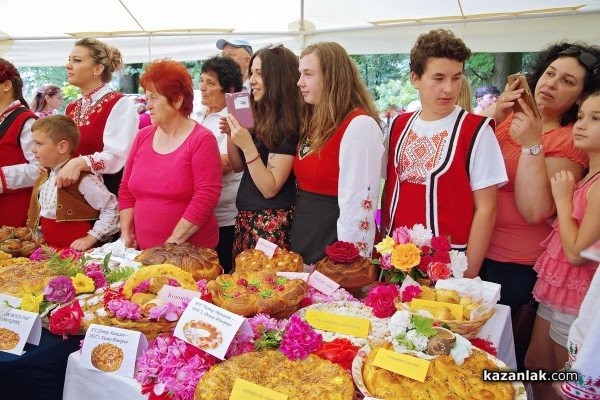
(42, 33)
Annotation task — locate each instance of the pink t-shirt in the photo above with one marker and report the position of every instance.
(514, 239)
(163, 188)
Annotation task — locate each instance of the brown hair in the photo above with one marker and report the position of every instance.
(39, 100)
(342, 92)
(8, 72)
(59, 127)
(465, 96)
(103, 54)
(438, 43)
(277, 114)
(172, 80)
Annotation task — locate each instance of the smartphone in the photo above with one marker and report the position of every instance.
(527, 96)
(238, 104)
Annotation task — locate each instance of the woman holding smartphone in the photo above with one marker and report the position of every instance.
(266, 152)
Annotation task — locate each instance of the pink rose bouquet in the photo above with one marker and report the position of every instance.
(381, 299)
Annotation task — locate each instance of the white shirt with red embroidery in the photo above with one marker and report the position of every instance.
(361, 156)
(21, 175)
(119, 132)
(95, 193)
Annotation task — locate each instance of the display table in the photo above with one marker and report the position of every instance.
(81, 382)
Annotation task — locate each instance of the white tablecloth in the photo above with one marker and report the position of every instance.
(81, 383)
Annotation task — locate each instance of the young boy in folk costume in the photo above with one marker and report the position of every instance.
(65, 215)
(444, 163)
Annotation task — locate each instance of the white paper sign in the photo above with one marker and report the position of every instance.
(266, 247)
(176, 295)
(294, 275)
(322, 283)
(18, 327)
(111, 349)
(9, 301)
(209, 327)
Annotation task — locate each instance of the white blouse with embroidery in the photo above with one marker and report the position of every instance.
(361, 157)
(119, 132)
(95, 193)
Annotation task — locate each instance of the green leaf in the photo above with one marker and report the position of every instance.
(226, 285)
(254, 283)
(105, 262)
(269, 340)
(119, 274)
(266, 293)
(397, 279)
(281, 280)
(423, 325)
(376, 261)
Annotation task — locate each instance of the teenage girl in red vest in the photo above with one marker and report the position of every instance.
(338, 164)
(107, 120)
(18, 168)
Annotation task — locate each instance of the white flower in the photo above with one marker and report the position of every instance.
(458, 263)
(420, 236)
(418, 340)
(400, 323)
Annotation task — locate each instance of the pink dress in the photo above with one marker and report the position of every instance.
(163, 188)
(561, 285)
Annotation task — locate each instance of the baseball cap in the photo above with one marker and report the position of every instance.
(240, 43)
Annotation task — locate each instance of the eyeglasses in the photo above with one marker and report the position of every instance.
(275, 46)
(587, 59)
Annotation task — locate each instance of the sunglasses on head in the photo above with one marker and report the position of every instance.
(275, 46)
(587, 59)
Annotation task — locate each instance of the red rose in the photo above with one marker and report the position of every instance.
(441, 243)
(342, 252)
(424, 264)
(425, 249)
(381, 298)
(442, 256)
(438, 270)
(340, 351)
(66, 320)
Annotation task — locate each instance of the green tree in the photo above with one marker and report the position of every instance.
(378, 69)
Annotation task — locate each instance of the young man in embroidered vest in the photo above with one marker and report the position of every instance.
(66, 215)
(444, 164)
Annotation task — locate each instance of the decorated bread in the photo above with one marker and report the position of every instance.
(249, 293)
(19, 279)
(107, 357)
(312, 378)
(445, 380)
(256, 260)
(201, 262)
(18, 242)
(346, 267)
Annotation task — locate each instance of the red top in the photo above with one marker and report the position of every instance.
(319, 172)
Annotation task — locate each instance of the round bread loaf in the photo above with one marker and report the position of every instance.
(256, 260)
(201, 262)
(351, 276)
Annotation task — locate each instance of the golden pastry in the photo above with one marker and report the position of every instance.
(447, 296)
(185, 279)
(202, 335)
(107, 357)
(427, 293)
(256, 260)
(8, 339)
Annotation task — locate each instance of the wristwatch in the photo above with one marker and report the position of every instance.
(533, 150)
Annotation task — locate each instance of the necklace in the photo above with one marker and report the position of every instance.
(304, 148)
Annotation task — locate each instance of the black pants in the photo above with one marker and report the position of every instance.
(517, 282)
(225, 246)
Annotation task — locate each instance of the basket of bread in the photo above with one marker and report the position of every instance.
(461, 310)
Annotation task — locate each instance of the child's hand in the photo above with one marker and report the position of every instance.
(84, 243)
(563, 186)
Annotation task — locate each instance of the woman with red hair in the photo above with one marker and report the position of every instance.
(172, 178)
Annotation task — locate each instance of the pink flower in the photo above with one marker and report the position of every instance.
(168, 311)
(124, 309)
(381, 299)
(41, 254)
(385, 262)
(69, 253)
(92, 267)
(438, 270)
(441, 243)
(60, 289)
(261, 323)
(98, 277)
(299, 339)
(401, 235)
(410, 292)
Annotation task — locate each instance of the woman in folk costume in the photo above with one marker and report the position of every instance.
(107, 120)
(338, 164)
(18, 167)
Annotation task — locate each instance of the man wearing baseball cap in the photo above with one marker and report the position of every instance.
(240, 51)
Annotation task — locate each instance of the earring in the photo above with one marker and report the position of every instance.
(95, 76)
(5, 90)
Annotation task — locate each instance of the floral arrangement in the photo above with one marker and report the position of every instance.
(417, 253)
(170, 368)
(410, 332)
(5, 73)
(342, 252)
(381, 299)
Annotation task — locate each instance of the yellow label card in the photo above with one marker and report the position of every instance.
(403, 364)
(434, 307)
(358, 327)
(244, 390)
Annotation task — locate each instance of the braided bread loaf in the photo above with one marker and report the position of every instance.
(201, 262)
(257, 260)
